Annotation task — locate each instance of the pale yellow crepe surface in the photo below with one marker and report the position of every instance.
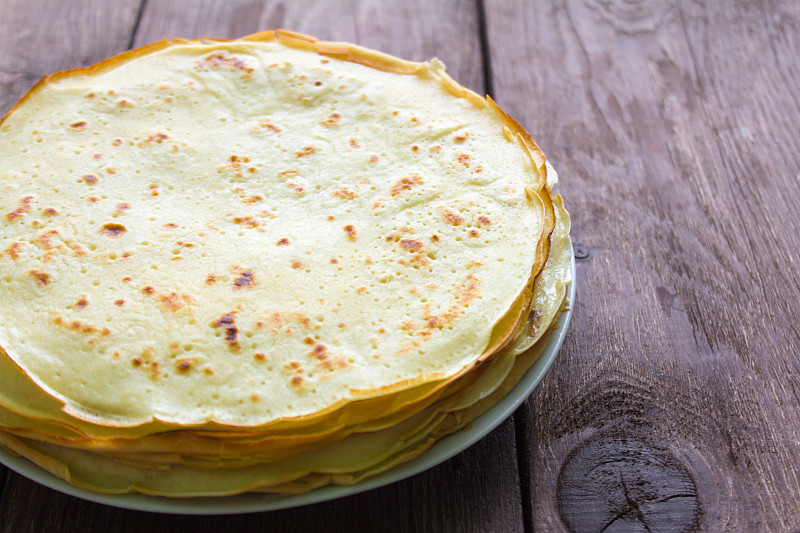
(246, 231)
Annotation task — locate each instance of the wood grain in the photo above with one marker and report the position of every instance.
(415, 30)
(38, 37)
(674, 405)
(478, 490)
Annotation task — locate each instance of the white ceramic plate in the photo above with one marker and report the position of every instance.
(248, 503)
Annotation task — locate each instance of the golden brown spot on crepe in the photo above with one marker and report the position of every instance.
(319, 351)
(334, 260)
(228, 323)
(473, 233)
(282, 242)
(435, 148)
(414, 148)
(211, 279)
(78, 126)
(219, 60)
(247, 221)
(126, 279)
(51, 211)
(410, 245)
(174, 301)
(373, 159)
(297, 264)
(117, 142)
(468, 292)
(82, 303)
(306, 151)
(333, 120)
(483, 219)
(154, 138)
(464, 295)
(350, 231)
(84, 327)
(170, 225)
(46, 238)
(42, 278)
(24, 206)
(345, 194)
(267, 125)
(296, 188)
(136, 361)
(113, 230)
(405, 184)
(331, 218)
(93, 199)
(464, 159)
(155, 372)
(259, 356)
(111, 170)
(148, 289)
(13, 249)
(247, 200)
(244, 280)
(362, 290)
(353, 143)
(297, 380)
(451, 218)
(98, 156)
(460, 138)
(183, 365)
(119, 303)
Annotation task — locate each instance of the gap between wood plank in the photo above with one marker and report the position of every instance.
(4, 473)
(142, 7)
(486, 57)
(520, 418)
(521, 425)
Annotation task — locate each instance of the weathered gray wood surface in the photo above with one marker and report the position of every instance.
(674, 404)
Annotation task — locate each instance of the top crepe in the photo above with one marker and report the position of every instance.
(239, 233)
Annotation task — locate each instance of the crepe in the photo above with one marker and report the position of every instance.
(218, 255)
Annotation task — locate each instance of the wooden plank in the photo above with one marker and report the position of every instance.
(39, 37)
(414, 30)
(476, 491)
(674, 404)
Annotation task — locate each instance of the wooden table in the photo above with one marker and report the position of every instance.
(675, 403)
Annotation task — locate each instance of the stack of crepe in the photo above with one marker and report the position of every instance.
(266, 265)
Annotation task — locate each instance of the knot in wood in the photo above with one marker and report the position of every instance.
(581, 251)
(611, 483)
